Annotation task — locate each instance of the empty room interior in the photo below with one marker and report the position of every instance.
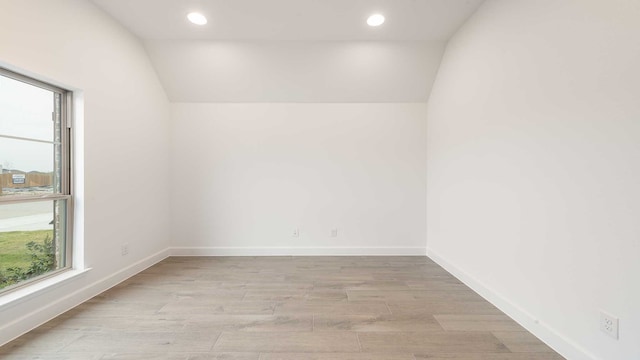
(320, 179)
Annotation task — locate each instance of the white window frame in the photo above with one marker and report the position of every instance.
(63, 115)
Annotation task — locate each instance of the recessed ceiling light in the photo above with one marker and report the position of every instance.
(197, 18)
(375, 20)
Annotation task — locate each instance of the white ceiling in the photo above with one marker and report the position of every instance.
(314, 71)
(294, 50)
(327, 20)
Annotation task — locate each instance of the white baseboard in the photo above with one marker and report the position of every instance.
(544, 332)
(290, 251)
(29, 321)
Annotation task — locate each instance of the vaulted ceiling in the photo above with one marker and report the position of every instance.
(294, 50)
(337, 20)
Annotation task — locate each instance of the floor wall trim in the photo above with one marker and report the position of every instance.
(301, 251)
(33, 319)
(544, 332)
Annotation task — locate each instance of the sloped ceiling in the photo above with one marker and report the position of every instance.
(294, 50)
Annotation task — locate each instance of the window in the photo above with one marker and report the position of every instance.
(35, 189)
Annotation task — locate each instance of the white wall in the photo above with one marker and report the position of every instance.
(294, 71)
(533, 153)
(125, 136)
(248, 174)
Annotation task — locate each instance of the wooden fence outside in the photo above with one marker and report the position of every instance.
(30, 180)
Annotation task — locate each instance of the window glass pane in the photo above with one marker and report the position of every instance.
(34, 149)
(28, 168)
(32, 240)
(26, 110)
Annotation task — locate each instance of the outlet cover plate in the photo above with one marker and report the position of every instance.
(609, 324)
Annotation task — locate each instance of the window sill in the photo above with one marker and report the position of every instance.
(28, 292)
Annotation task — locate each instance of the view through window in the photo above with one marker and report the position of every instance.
(34, 180)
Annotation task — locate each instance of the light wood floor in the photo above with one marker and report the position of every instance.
(285, 308)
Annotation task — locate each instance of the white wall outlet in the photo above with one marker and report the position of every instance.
(334, 232)
(124, 249)
(609, 324)
(296, 233)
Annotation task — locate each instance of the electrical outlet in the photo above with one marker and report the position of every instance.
(334, 232)
(609, 324)
(295, 233)
(124, 249)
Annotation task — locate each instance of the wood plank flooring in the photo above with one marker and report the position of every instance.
(284, 308)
